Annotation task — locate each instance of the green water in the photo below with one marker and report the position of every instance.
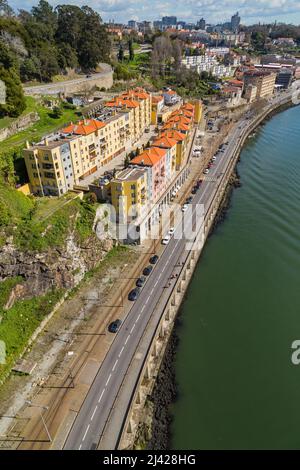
(237, 386)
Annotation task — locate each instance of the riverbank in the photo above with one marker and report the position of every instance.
(154, 431)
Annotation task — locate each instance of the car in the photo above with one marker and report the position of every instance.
(189, 200)
(214, 158)
(114, 326)
(140, 281)
(88, 76)
(165, 240)
(133, 294)
(147, 270)
(171, 231)
(153, 259)
(195, 189)
(206, 171)
(184, 208)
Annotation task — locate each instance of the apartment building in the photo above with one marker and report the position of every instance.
(61, 161)
(129, 193)
(263, 80)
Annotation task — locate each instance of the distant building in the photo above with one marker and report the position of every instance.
(201, 24)
(169, 21)
(284, 78)
(235, 22)
(133, 24)
(264, 81)
(158, 25)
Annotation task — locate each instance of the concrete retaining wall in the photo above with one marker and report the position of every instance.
(152, 362)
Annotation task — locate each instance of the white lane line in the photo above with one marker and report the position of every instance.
(120, 353)
(115, 365)
(156, 284)
(86, 431)
(127, 339)
(132, 328)
(152, 291)
(138, 317)
(109, 377)
(79, 448)
(101, 395)
(92, 417)
(143, 308)
(159, 276)
(147, 300)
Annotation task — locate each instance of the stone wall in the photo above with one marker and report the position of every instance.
(18, 125)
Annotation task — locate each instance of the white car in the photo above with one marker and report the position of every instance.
(184, 208)
(214, 158)
(171, 231)
(165, 240)
(206, 171)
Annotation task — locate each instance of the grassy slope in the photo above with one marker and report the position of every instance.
(45, 125)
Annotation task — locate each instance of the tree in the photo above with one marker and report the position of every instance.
(44, 13)
(15, 102)
(130, 49)
(121, 53)
(5, 9)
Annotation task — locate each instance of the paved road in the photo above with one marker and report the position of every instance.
(93, 415)
(53, 88)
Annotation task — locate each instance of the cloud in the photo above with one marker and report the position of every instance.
(190, 10)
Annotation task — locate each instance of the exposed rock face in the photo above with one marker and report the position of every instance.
(57, 267)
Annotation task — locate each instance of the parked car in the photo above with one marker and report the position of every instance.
(147, 270)
(214, 158)
(133, 294)
(153, 259)
(114, 326)
(140, 281)
(195, 189)
(184, 208)
(189, 200)
(206, 171)
(165, 240)
(171, 231)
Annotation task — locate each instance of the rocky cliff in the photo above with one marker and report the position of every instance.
(60, 267)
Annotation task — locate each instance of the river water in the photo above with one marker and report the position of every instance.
(238, 388)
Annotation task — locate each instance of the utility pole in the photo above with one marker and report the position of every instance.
(29, 403)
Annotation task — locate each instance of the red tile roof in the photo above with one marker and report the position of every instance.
(149, 157)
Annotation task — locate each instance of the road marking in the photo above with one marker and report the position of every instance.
(86, 431)
(80, 447)
(138, 317)
(120, 353)
(159, 276)
(147, 300)
(143, 308)
(115, 365)
(94, 413)
(132, 328)
(152, 291)
(108, 380)
(127, 339)
(101, 395)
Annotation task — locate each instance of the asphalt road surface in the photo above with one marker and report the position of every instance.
(92, 417)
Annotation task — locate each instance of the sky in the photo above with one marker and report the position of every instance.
(214, 11)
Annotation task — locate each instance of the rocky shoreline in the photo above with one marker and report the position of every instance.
(154, 430)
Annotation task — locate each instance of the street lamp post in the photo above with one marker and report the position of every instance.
(29, 403)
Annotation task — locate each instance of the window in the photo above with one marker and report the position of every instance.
(132, 186)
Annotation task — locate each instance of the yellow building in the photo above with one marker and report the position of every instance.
(129, 193)
(181, 147)
(64, 159)
(156, 108)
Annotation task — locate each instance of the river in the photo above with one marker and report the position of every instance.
(237, 386)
